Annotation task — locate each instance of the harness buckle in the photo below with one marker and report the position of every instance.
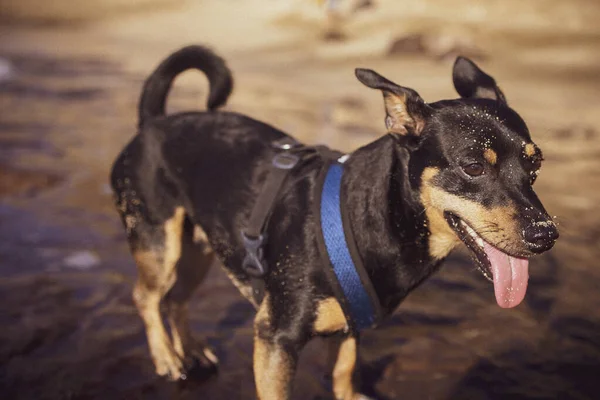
(285, 160)
(254, 262)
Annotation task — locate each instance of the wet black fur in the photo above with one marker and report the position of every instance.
(213, 163)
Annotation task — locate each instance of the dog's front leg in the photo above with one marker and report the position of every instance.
(274, 369)
(343, 359)
(275, 358)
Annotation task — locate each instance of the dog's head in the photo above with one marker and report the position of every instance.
(473, 165)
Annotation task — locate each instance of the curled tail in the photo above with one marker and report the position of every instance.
(156, 88)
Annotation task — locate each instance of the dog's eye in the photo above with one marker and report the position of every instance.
(473, 169)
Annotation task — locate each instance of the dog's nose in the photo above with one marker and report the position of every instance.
(540, 236)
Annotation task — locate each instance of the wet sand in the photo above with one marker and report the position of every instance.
(69, 105)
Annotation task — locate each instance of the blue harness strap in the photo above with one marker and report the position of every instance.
(360, 302)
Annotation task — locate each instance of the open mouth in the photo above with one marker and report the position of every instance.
(508, 273)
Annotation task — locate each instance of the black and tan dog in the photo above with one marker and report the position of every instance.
(446, 172)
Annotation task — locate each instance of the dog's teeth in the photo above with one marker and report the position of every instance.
(479, 241)
(473, 234)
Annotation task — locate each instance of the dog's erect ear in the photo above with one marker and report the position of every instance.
(406, 111)
(472, 82)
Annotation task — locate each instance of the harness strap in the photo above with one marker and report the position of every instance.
(253, 236)
(350, 281)
(281, 165)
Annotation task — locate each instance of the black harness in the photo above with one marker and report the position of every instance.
(254, 236)
(349, 279)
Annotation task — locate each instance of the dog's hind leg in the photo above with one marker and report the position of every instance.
(157, 250)
(195, 261)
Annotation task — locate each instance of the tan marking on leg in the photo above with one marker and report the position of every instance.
(494, 225)
(529, 149)
(329, 316)
(178, 316)
(192, 268)
(183, 342)
(163, 355)
(491, 156)
(173, 231)
(345, 362)
(273, 367)
(156, 275)
(263, 315)
(201, 238)
(273, 370)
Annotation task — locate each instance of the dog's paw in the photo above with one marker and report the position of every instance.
(201, 364)
(170, 367)
(210, 356)
(204, 357)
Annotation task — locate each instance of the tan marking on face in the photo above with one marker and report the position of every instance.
(491, 156)
(330, 317)
(442, 238)
(529, 149)
(343, 370)
(494, 225)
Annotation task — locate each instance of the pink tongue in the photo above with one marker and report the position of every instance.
(510, 276)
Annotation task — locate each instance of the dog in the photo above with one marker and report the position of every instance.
(444, 173)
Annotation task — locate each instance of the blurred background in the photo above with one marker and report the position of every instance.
(70, 77)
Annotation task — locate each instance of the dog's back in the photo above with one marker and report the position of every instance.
(205, 158)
